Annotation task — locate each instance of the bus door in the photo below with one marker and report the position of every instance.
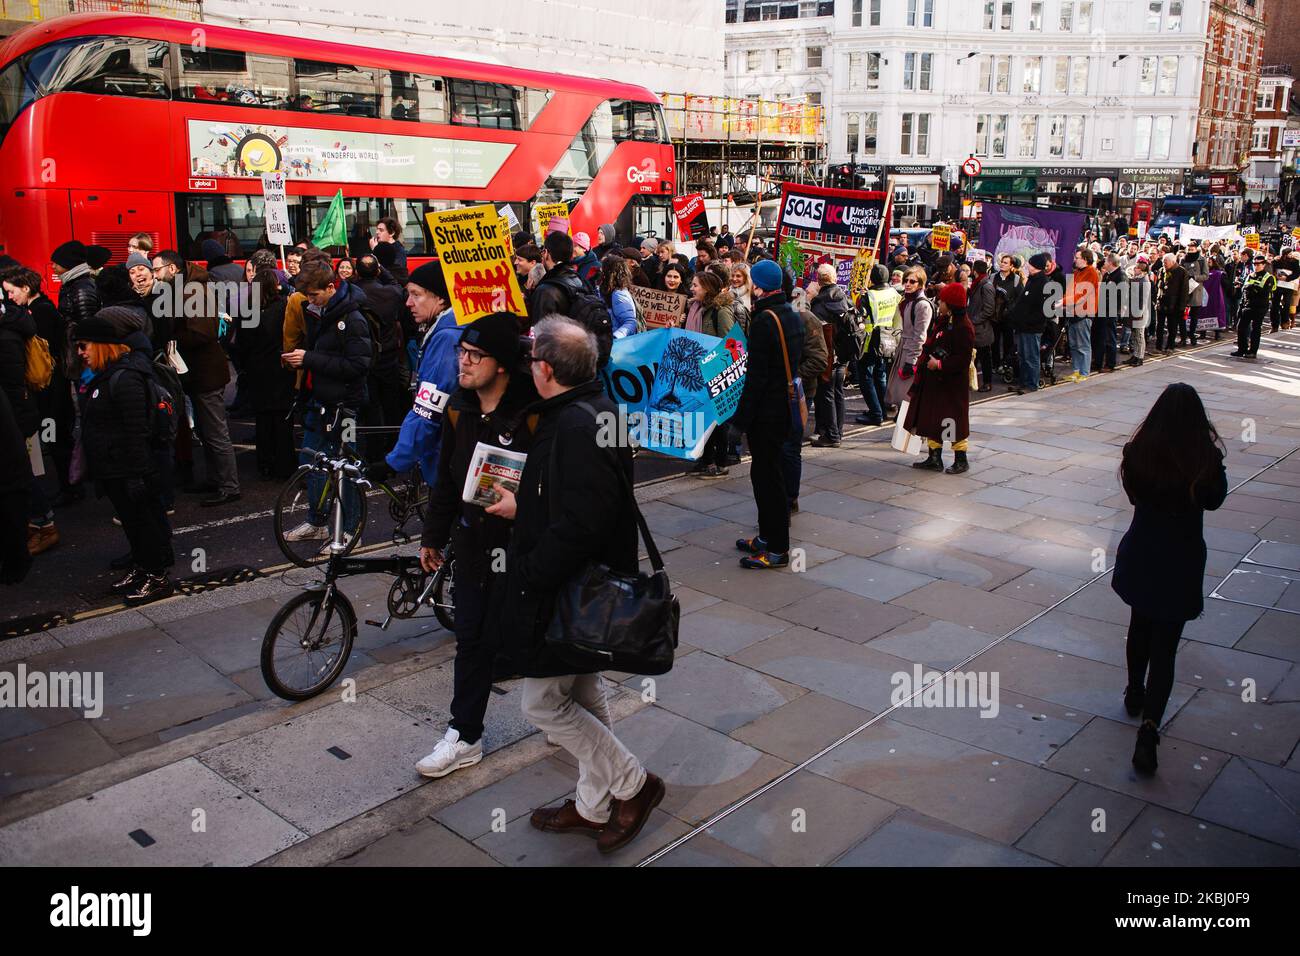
(109, 218)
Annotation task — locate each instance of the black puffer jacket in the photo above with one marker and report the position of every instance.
(554, 293)
(78, 299)
(16, 329)
(269, 383)
(338, 350)
(115, 420)
(1032, 310)
(388, 300)
(587, 516)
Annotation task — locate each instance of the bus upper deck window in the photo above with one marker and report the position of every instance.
(413, 97)
(108, 66)
(231, 76)
(335, 88)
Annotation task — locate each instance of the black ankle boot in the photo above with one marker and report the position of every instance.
(1133, 700)
(1144, 754)
(959, 464)
(933, 461)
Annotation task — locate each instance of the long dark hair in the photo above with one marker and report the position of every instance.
(1174, 452)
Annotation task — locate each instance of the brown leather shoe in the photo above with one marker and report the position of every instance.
(41, 539)
(564, 819)
(627, 817)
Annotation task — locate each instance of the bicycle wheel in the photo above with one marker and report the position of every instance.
(408, 502)
(294, 534)
(307, 644)
(444, 596)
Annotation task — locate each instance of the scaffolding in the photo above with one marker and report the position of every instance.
(734, 151)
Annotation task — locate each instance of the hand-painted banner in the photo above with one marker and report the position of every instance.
(1028, 230)
(664, 400)
(661, 308)
(473, 246)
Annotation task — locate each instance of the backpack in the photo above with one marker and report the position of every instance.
(382, 341)
(40, 364)
(587, 308)
(165, 374)
(161, 408)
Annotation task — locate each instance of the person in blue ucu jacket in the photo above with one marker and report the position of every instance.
(419, 439)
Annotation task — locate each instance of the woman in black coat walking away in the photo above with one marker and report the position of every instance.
(1173, 472)
(270, 384)
(118, 416)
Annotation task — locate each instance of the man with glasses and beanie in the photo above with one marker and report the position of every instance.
(764, 413)
(488, 407)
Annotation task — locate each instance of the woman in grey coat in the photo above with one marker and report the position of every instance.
(916, 311)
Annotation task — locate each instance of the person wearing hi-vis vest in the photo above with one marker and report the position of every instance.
(880, 303)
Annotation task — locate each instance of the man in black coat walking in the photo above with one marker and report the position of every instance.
(488, 407)
(764, 413)
(1029, 317)
(574, 506)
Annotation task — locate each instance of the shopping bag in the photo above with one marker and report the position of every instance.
(903, 440)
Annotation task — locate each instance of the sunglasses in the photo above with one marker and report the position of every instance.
(910, 281)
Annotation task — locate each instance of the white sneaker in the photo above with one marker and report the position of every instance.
(308, 532)
(452, 753)
(325, 548)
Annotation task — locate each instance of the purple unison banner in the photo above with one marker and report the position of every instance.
(1027, 230)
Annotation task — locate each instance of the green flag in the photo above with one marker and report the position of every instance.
(332, 230)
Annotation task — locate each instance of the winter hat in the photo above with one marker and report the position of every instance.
(385, 253)
(71, 253)
(521, 239)
(649, 244)
(879, 274)
(212, 250)
(137, 259)
(1039, 260)
(606, 233)
(954, 295)
(582, 241)
(496, 334)
(111, 325)
(766, 275)
(429, 276)
(97, 256)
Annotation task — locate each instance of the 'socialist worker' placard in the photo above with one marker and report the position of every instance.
(941, 237)
(545, 212)
(474, 251)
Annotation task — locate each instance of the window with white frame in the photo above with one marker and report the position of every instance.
(1083, 17)
(813, 98)
(915, 140)
(1067, 16)
(857, 71)
(1036, 16)
(784, 59)
(1029, 136)
(813, 57)
(1168, 75)
(1147, 74)
(1264, 99)
(1161, 136)
(872, 71)
(1074, 137)
(1002, 74)
(1007, 17)
(1056, 136)
(855, 130)
(1033, 74)
(991, 135)
(1061, 75)
(753, 61)
(869, 121)
(1079, 74)
(1155, 13)
(1142, 137)
(875, 14)
(1260, 138)
(917, 71)
(1174, 22)
(856, 19)
(990, 14)
(920, 13)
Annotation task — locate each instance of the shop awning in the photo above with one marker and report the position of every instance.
(1005, 185)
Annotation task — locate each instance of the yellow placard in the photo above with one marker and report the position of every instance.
(545, 212)
(1295, 233)
(941, 237)
(1251, 239)
(473, 247)
(860, 277)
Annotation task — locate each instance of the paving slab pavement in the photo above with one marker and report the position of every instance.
(994, 570)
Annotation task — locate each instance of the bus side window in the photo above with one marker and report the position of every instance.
(115, 66)
(413, 97)
(335, 88)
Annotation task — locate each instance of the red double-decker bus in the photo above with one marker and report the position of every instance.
(112, 124)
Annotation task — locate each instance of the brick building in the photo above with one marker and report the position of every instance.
(1234, 60)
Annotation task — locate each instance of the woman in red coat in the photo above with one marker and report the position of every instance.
(939, 408)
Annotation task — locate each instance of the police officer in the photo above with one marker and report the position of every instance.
(1256, 294)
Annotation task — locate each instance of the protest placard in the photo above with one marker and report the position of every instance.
(941, 237)
(545, 212)
(692, 217)
(474, 252)
(724, 372)
(508, 213)
(660, 308)
(276, 209)
(860, 275)
(1251, 239)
